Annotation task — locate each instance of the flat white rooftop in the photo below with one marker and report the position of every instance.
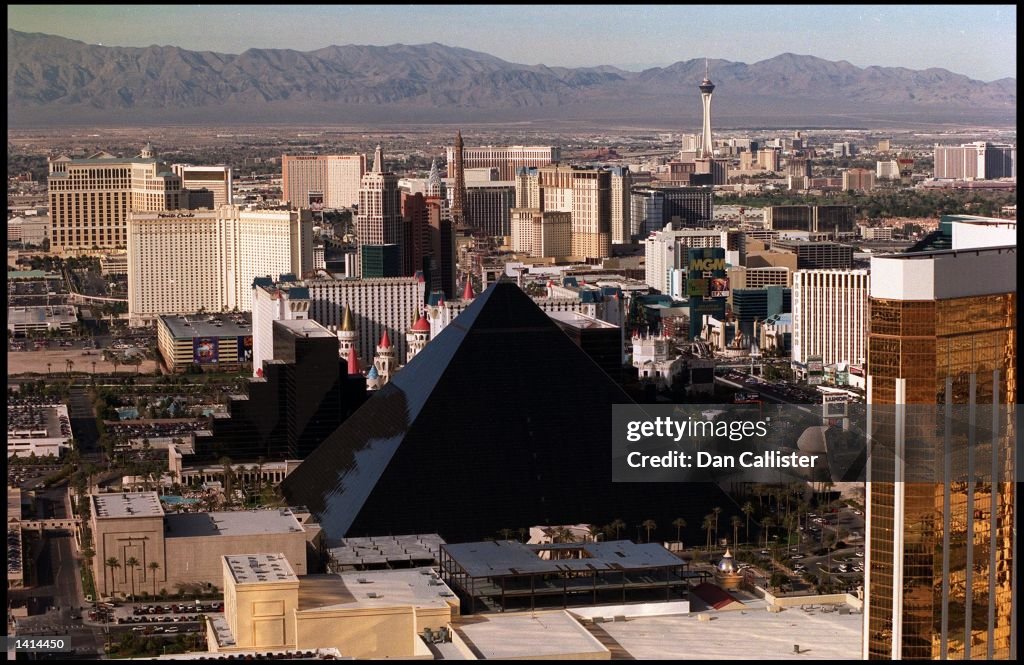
(305, 328)
(419, 587)
(522, 635)
(232, 523)
(578, 320)
(751, 634)
(387, 549)
(127, 504)
(260, 568)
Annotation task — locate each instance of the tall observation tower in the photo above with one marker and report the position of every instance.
(706, 88)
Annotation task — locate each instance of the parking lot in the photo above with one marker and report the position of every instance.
(153, 619)
(842, 565)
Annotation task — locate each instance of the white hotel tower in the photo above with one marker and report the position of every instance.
(830, 314)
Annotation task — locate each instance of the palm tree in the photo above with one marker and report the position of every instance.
(716, 511)
(505, 533)
(48, 365)
(563, 535)
(522, 534)
(226, 463)
(767, 523)
(679, 523)
(153, 567)
(618, 525)
(736, 522)
(748, 510)
(132, 563)
(595, 531)
(649, 525)
(790, 523)
(708, 525)
(113, 564)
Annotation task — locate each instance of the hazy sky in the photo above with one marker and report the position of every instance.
(979, 41)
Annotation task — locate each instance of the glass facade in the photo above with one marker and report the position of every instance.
(940, 578)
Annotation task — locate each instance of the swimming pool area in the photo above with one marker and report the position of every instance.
(127, 413)
(178, 500)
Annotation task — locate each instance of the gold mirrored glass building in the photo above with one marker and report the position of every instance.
(942, 349)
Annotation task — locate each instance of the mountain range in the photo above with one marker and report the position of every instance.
(57, 81)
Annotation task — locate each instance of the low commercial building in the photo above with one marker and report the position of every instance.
(38, 430)
(509, 574)
(187, 547)
(876, 232)
(602, 341)
(817, 255)
(114, 264)
(370, 614)
(28, 230)
(15, 569)
(217, 343)
(24, 320)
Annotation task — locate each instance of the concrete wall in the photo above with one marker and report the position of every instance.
(139, 537)
(261, 615)
(826, 599)
(186, 560)
(198, 559)
(630, 611)
(368, 632)
(434, 618)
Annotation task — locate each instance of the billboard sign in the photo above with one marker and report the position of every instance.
(720, 287)
(697, 287)
(815, 370)
(245, 349)
(834, 406)
(205, 350)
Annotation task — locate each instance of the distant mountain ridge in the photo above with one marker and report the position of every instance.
(61, 81)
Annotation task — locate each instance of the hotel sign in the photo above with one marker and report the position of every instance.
(707, 264)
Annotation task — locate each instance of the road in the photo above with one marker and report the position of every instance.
(55, 604)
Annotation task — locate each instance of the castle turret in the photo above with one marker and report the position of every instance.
(384, 361)
(373, 379)
(417, 337)
(353, 362)
(347, 335)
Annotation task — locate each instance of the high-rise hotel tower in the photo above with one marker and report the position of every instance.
(940, 574)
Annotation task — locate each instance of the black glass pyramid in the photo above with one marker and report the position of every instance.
(500, 422)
